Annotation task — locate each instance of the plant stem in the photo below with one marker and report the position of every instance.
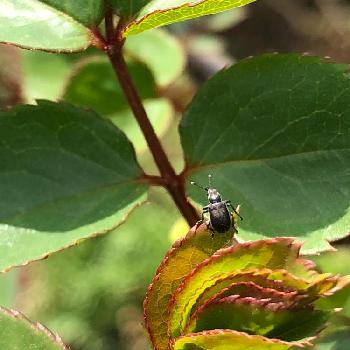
(169, 179)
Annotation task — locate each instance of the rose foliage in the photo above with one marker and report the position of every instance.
(211, 294)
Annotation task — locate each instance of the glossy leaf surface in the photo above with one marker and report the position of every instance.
(53, 25)
(159, 12)
(274, 133)
(66, 175)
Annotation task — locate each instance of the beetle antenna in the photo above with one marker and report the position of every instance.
(195, 184)
(209, 180)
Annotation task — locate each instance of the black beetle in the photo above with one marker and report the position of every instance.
(220, 218)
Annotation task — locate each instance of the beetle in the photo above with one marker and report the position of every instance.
(220, 217)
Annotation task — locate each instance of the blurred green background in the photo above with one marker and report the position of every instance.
(92, 294)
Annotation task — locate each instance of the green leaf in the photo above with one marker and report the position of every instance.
(246, 288)
(53, 25)
(184, 255)
(17, 332)
(160, 51)
(127, 8)
(159, 12)
(274, 133)
(229, 340)
(277, 280)
(257, 317)
(65, 175)
(94, 85)
(271, 254)
(87, 12)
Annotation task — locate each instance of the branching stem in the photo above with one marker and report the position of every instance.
(169, 179)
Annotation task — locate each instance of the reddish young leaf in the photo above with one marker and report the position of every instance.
(260, 317)
(184, 255)
(275, 253)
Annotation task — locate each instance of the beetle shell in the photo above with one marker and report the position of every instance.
(220, 218)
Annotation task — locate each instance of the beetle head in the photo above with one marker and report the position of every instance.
(213, 195)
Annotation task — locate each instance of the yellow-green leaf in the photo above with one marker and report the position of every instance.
(230, 340)
(273, 253)
(184, 255)
(159, 12)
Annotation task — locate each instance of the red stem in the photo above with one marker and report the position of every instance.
(169, 179)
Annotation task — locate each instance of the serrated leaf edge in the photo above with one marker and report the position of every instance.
(289, 242)
(79, 241)
(300, 344)
(176, 245)
(38, 327)
(136, 22)
(266, 292)
(264, 303)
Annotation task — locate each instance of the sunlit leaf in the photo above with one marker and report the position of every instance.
(274, 254)
(54, 25)
(159, 12)
(274, 133)
(65, 175)
(178, 262)
(229, 340)
(259, 317)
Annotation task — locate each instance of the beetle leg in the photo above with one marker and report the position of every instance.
(228, 202)
(209, 227)
(205, 210)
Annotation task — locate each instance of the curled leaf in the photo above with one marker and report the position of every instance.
(256, 295)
